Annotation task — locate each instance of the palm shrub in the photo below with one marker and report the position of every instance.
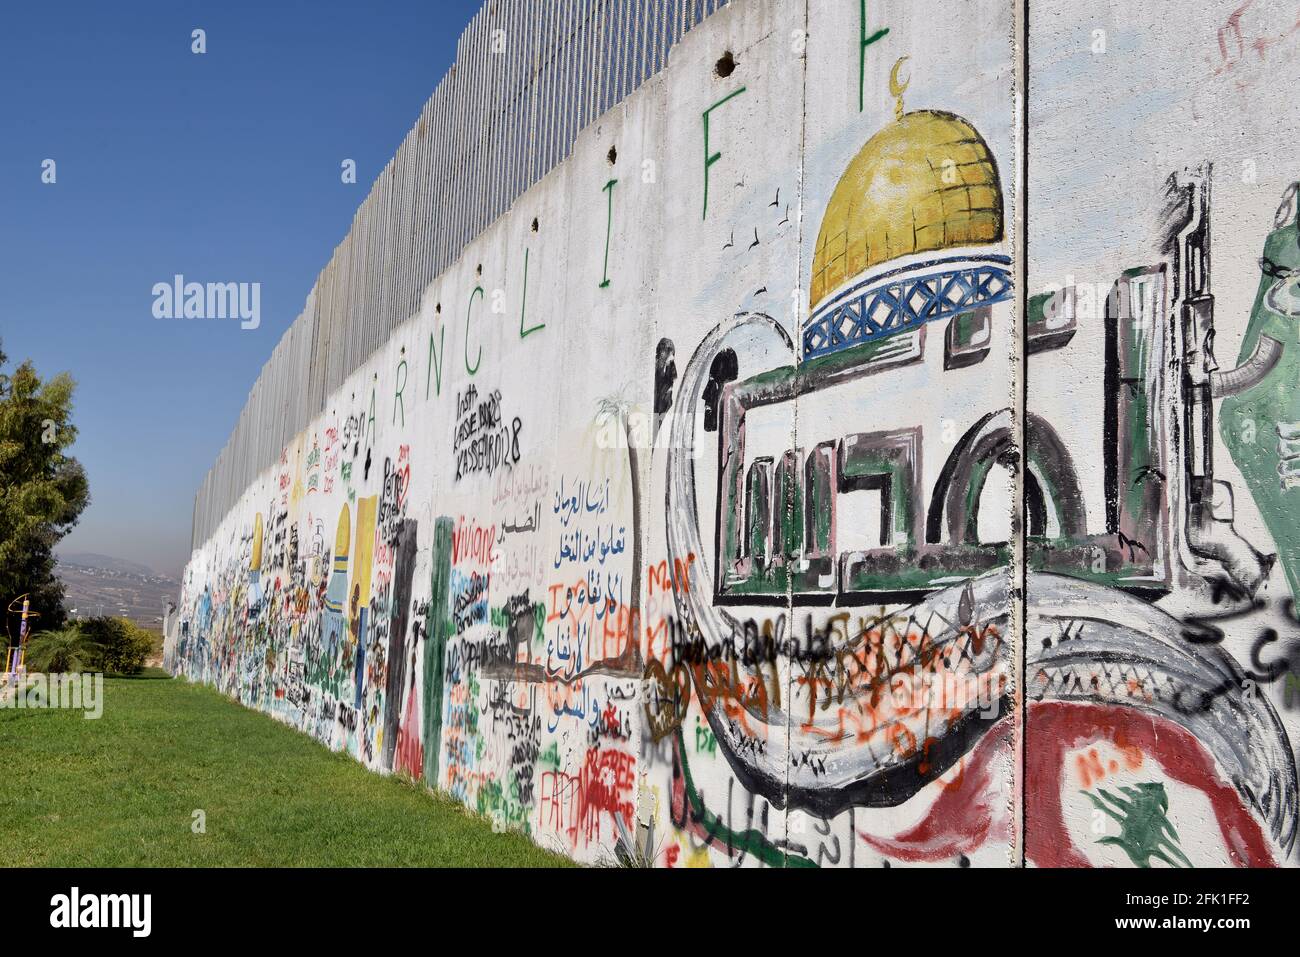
(60, 651)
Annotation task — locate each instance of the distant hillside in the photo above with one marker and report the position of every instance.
(104, 585)
(105, 562)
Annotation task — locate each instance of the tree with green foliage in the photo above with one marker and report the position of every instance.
(43, 490)
(108, 644)
(121, 646)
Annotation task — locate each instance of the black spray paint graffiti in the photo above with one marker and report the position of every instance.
(403, 573)
(483, 441)
(392, 503)
(665, 376)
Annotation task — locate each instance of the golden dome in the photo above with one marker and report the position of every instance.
(925, 182)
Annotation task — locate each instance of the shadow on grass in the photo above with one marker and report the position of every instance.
(148, 674)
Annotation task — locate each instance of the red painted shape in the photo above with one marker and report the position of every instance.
(1055, 729)
(410, 752)
(969, 811)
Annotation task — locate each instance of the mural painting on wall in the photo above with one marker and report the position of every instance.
(772, 621)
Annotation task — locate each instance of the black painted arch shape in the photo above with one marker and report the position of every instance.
(1050, 480)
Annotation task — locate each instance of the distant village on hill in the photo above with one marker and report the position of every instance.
(97, 585)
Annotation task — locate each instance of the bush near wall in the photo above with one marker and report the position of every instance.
(119, 646)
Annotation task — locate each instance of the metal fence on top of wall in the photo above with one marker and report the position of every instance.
(529, 76)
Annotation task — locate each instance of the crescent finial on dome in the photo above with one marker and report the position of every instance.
(898, 87)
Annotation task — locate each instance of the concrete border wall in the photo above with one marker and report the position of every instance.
(741, 497)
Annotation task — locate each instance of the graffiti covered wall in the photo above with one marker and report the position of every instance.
(681, 522)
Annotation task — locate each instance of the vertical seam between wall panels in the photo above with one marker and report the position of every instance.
(794, 424)
(1020, 378)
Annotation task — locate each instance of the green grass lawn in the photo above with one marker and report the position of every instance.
(120, 791)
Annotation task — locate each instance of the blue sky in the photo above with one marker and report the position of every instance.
(224, 167)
